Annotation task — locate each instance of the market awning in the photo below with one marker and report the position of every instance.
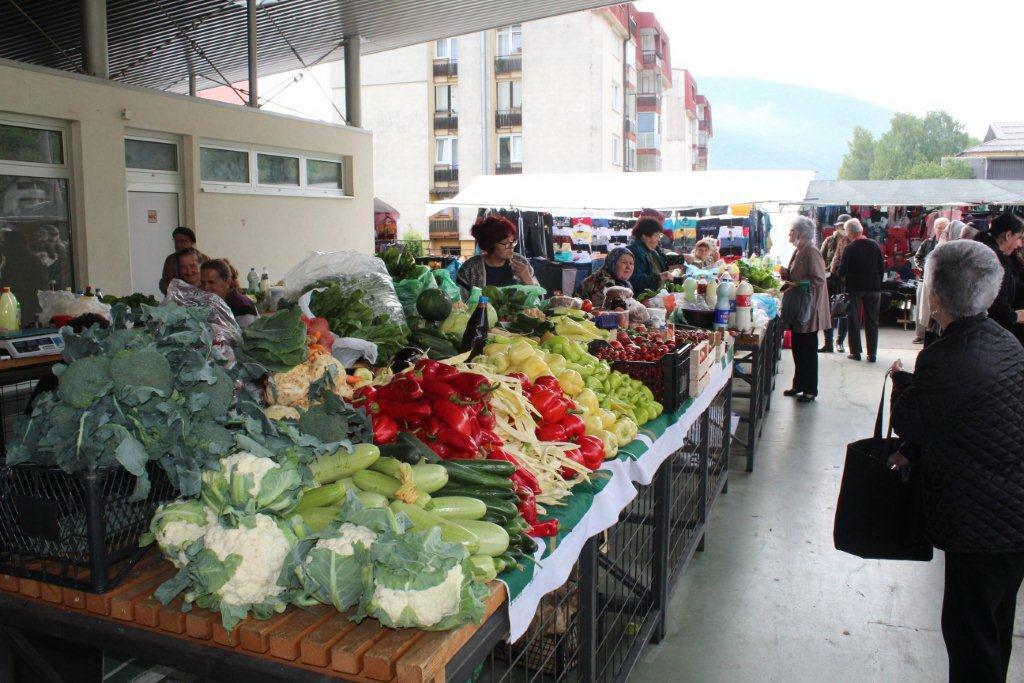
(609, 192)
(937, 192)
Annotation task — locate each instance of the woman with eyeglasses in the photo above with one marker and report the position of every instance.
(498, 264)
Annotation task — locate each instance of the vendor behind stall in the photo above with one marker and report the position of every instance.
(218, 276)
(614, 272)
(649, 268)
(499, 265)
(189, 261)
(184, 238)
(705, 254)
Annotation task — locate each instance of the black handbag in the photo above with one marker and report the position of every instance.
(796, 305)
(839, 305)
(878, 514)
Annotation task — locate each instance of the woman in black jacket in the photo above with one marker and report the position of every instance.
(959, 416)
(1004, 238)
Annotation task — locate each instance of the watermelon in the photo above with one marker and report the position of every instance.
(434, 305)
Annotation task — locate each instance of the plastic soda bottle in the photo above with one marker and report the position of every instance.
(722, 305)
(744, 310)
(475, 337)
(10, 320)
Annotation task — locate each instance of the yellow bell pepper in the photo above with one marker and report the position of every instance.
(520, 352)
(608, 418)
(495, 347)
(611, 444)
(587, 399)
(500, 362)
(625, 430)
(593, 423)
(534, 367)
(556, 362)
(571, 381)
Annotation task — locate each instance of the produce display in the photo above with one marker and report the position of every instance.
(304, 478)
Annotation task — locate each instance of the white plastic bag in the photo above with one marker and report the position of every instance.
(69, 304)
(353, 270)
(226, 331)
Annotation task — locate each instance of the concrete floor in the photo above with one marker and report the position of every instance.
(770, 599)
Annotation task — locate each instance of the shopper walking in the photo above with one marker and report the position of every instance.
(1004, 237)
(861, 270)
(831, 248)
(807, 267)
(958, 415)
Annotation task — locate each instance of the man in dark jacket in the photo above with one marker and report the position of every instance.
(861, 270)
(1004, 238)
(959, 416)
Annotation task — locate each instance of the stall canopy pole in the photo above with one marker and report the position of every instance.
(250, 20)
(353, 84)
(95, 57)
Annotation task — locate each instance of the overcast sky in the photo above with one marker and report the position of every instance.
(965, 57)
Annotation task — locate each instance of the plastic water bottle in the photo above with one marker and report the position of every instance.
(722, 305)
(711, 293)
(690, 290)
(265, 283)
(10, 320)
(744, 310)
(254, 280)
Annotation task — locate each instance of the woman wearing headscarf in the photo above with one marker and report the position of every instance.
(615, 272)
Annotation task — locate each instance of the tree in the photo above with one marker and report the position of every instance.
(913, 147)
(861, 154)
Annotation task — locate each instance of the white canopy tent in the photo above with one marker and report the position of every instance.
(605, 193)
(937, 192)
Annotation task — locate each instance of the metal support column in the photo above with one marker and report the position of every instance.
(353, 83)
(254, 75)
(588, 610)
(95, 57)
(705, 485)
(662, 521)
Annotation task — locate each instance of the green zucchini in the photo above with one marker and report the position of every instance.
(468, 475)
(317, 518)
(322, 496)
(426, 476)
(410, 449)
(341, 463)
(495, 517)
(491, 538)
(499, 468)
(458, 507)
(378, 482)
(450, 531)
(484, 568)
(501, 506)
(369, 499)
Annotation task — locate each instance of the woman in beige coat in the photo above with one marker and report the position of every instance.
(807, 266)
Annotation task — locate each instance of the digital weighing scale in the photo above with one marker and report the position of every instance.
(40, 341)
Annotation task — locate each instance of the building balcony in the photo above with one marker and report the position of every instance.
(508, 64)
(648, 101)
(648, 141)
(446, 68)
(704, 125)
(446, 173)
(651, 58)
(508, 118)
(508, 168)
(444, 228)
(702, 139)
(648, 162)
(446, 120)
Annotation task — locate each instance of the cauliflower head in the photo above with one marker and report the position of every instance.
(176, 526)
(292, 388)
(424, 607)
(247, 483)
(348, 536)
(262, 549)
(278, 412)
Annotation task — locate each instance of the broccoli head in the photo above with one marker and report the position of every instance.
(120, 340)
(85, 380)
(143, 369)
(320, 422)
(221, 393)
(211, 437)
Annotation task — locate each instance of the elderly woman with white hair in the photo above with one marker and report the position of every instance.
(940, 235)
(807, 268)
(959, 418)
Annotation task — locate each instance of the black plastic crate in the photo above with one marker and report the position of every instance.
(75, 530)
(668, 378)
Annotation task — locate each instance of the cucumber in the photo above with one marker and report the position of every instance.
(496, 518)
(426, 477)
(491, 538)
(322, 496)
(458, 507)
(468, 475)
(369, 499)
(450, 531)
(408, 448)
(377, 482)
(341, 463)
(482, 492)
(499, 468)
(501, 506)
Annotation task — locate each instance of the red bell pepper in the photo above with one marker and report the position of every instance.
(550, 405)
(486, 420)
(548, 382)
(488, 438)
(363, 395)
(402, 410)
(436, 389)
(456, 417)
(471, 385)
(522, 476)
(527, 505)
(551, 432)
(576, 456)
(574, 426)
(457, 440)
(385, 429)
(593, 451)
(544, 529)
(432, 369)
(401, 388)
(443, 451)
(523, 379)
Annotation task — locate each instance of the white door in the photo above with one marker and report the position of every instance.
(152, 216)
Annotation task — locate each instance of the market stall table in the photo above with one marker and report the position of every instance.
(756, 360)
(17, 379)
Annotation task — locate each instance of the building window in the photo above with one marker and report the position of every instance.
(446, 98)
(224, 165)
(631, 54)
(35, 178)
(647, 122)
(446, 151)
(616, 97)
(510, 41)
(242, 169)
(150, 155)
(647, 42)
(510, 95)
(447, 48)
(616, 150)
(510, 149)
(649, 82)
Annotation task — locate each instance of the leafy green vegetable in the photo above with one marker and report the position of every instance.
(760, 272)
(140, 373)
(278, 342)
(401, 264)
(333, 421)
(81, 382)
(349, 316)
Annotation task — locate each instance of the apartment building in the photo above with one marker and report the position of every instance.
(591, 92)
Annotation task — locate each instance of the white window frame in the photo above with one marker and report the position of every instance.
(255, 187)
(616, 150)
(510, 32)
(34, 168)
(450, 155)
(644, 36)
(616, 97)
(511, 87)
(511, 147)
(449, 44)
(146, 180)
(452, 90)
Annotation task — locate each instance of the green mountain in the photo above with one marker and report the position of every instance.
(760, 124)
